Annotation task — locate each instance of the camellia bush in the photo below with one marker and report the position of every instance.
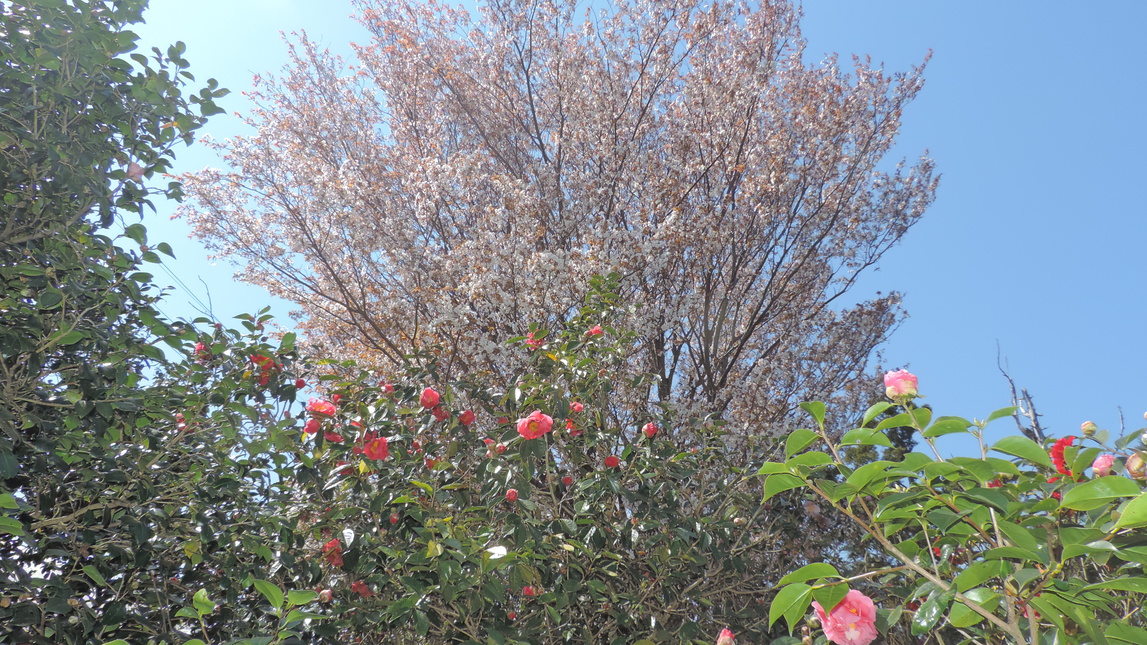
(1022, 544)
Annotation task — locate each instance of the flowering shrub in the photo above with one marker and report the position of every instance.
(1023, 546)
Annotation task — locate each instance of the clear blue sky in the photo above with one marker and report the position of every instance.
(1035, 115)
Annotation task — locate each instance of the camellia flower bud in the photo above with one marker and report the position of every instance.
(900, 384)
(725, 637)
(1102, 465)
(512, 495)
(1136, 467)
(1088, 428)
(650, 429)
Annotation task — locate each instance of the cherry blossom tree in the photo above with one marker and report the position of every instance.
(469, 173)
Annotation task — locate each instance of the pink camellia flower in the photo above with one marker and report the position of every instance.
(429, 398)
(134, 172)
(440, 413)
(534, 343)
(466, 418)
(612, 461)
(725, 638)
(650, 429)
(312, 426)
(321, 407)
(529, 591)
(900, 384)
(377, 449)
(387, 388)
(300, 384)
(851, 622)
(1102, 465)
(535, 425)
(512, 495)
(594, 331)
(576, 407)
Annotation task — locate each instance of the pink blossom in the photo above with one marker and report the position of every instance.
(1102, 465)
(134, 172)
(900, 384)
(650, 429)
(852, 621)
(576, 407)
(725, 637)
(534, 343)
(440, 413)
(312, 426)
(466, 418)
(535, 425)
(596, 330)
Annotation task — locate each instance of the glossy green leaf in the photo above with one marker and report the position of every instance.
(791, 602)
(816, 409)
(798, 440)
(1099, 492)
(1134, 513)
(779, 483)
(811, 572)
(929, 613)
(1023, 448)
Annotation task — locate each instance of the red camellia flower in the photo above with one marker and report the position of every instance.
(326, 596)
(535, 425)
(321, 407)
(300, 384)
(512, 495)
(995, 483)
(466, 418)
(336, 398)
(333, 437)
(725, 637)
(387, 388)
(567, 480)
(529, 591)
(501, 447)
(570, 425)
(312, 426)
(650, 429)
(348, 470)
(431, 462)
(360, 587)
(203, 353)
(429, 398)
(502, 420)
(576, 407)
(333, 552)
(263, 362)
(394, 518)
(488, 441)
(594, 331)
(612, 461)
(1057, 454)
(440, 413)
(511, 615)
(377, 449)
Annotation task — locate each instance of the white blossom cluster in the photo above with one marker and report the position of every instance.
(467, 176)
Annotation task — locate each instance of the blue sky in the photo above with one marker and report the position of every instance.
(1034, 113)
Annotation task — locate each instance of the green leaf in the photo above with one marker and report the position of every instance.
(203, 604)
(1099, 492)
(866, 437)
(779, 483)
(962, 616)
(1138, 585)
(899, 421)
(979, 573)
(299, 597)
(791, 602)
(137, 233)
(94, 574)
(1133, 514)
(7, 501)
(875, 411)
(11, 526)
(816, 409)
(165, 248)
(829, 596)
(929, 613)
(1019, 535)
(1001, 413)
(947, 425)
(120, 641)
(1125, 633)
(1023, 448)
(69, 338)
(271, 592)
(799, 440)
(771, 467)
(811, 572)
